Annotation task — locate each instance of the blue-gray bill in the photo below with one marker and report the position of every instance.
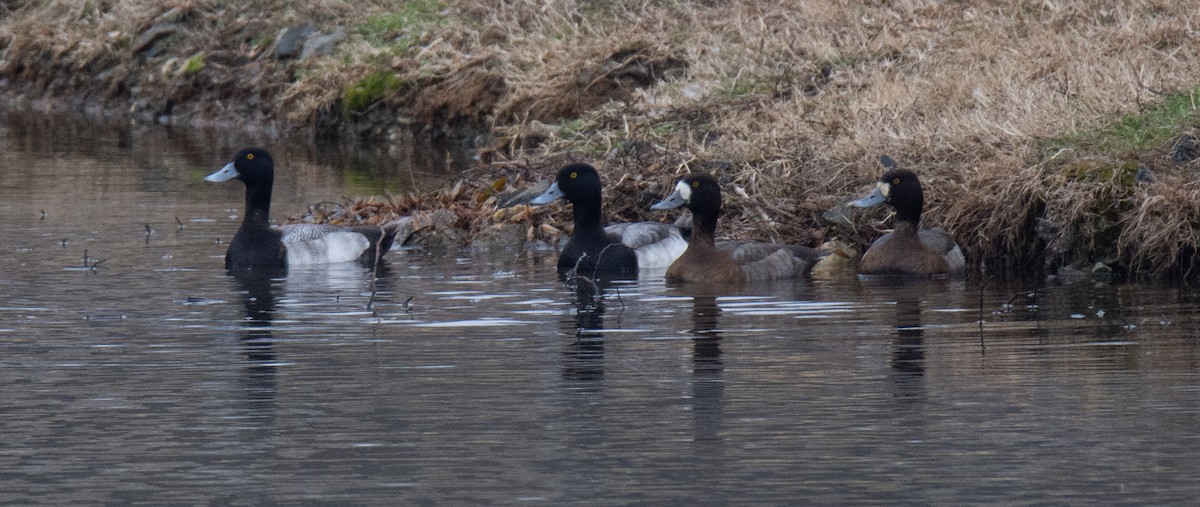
(672, 201)
(225, 174)
(550, 195)
(874, 198)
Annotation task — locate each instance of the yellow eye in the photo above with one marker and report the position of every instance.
(249, 156)
(896, 181)
(695, 184)
(574, 175)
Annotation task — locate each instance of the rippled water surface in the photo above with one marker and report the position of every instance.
(142, 373)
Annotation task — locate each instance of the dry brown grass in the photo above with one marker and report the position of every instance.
(789, 101)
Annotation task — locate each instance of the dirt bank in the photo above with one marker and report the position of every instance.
(1056, 133)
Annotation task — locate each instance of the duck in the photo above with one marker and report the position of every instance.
(257, 243)
(908, 249)
(726, 262)
(618, 249)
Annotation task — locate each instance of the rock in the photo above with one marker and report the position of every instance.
(153, 42)
(841, 262)
(1069, 275)
(513, 197)
(1185, 149)
(292, 42)
(1046, 230)
(322, 45)
(434, 231)
(1144, 174)
(500, 237)
(1102, 272)
(841, 215)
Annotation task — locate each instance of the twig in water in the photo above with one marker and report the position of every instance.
(375, 270)
(982, 343)
(1019, 294)
(149, 232)
(180, 222)
(87, 261)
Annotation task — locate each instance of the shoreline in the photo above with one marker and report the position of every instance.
(1047, 149)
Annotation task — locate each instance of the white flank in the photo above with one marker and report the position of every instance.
(313, 245)
(662, 253)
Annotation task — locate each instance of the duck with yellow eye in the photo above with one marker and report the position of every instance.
(618, 249)
(907, 250)
(707, 261)
(257, 244)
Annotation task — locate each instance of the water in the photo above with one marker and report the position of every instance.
(147, 375)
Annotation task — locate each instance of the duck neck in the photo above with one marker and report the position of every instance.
(908, 219)
(258, 205)
(704, 227)
(905, 227)
(587, 216)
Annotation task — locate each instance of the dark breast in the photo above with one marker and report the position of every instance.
(256, 247)
(705, 264)
(902, 255)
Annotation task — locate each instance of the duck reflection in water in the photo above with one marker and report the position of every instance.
(708, 383)
(908, 351)
(257, 288)
(583, 359)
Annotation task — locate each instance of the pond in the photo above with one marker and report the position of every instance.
(135, 370)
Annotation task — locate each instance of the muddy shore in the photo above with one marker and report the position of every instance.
(1062, 135)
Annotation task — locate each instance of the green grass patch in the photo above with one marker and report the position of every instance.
(1147, 130)
(194, 64)
(261, 42)
(743, 86)
(399, 30)
(370, 89)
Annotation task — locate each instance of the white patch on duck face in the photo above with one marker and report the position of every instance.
(685, 191)
(884, 188)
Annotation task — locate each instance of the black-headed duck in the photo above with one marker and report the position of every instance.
(907, 250)
(728, 262)
(256, 243)
(617, 249)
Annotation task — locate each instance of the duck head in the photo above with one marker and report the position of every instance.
(577, 183)
(699, 192)
(902, 190)
(251, 165)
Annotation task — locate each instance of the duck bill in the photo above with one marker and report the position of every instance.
(672, 201)
(872, 199)
(550, 195)
(225, 174)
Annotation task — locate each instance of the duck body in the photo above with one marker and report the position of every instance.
(728, 262)
(257, 243)
(907, 250)
(618, 249)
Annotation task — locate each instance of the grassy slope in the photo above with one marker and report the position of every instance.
(1027, 120)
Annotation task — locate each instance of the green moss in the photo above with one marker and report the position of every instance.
(742, 86)
(1147, 130)
(661, 130)
(370, 89)
(853, 59)
(194, 64)
(1123, 174)
(399, 30)
(261, 42)
(571, 128)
